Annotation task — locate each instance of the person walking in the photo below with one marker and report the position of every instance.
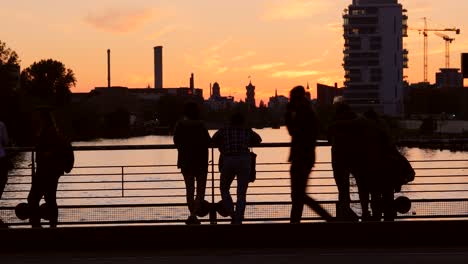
(54, 156)
(192, 140)
(302, 125)
(233, 142)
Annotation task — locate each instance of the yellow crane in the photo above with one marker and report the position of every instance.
(448, 41)
(424, 31)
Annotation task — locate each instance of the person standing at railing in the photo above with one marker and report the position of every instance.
(233, 142)
(302, 125)
(3, 158)
(54, 156)
(192, 140)
(361, 147)
(340, 140)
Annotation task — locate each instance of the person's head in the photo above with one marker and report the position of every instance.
(297, 94)
(191, 111)
(237, 119)
(371, 114)
(343, 111)
(43, 120)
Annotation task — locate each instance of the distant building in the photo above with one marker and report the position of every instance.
(374, 57)
(158, 67)
(325, 94)
(449, 78)
(216, 101)
(277, 101)
(250, 95)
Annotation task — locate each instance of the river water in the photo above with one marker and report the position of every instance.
(89, 185)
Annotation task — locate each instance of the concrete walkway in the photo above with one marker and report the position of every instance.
(397, 242)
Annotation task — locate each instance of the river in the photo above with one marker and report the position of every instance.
(426, 162)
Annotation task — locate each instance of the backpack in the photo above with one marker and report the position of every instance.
(402, 170)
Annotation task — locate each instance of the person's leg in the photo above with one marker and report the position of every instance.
(189, 180)
(34, 198)
(200, 177)
(3, 175)
(388, 204)
(243, 175)
(376, 205)
(298, 187)
(50, 198)
(226, 179)
(364, 193)
(341, 176)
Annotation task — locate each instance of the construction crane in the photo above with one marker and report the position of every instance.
(448, 40)
(424, 31)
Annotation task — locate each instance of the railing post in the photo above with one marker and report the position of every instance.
(123, 190)
(213, 220)
(33, 165)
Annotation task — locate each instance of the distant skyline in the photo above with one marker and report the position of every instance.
(279, 43)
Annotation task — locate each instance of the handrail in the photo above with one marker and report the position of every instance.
(121, 184)
(400, 142)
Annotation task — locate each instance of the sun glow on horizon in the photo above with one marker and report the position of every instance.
(279, 43)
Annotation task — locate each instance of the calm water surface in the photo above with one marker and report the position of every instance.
(273, 179)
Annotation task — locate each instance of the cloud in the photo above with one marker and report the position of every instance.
(163, 31)
(266, 66)
(218, 46)
(294, 9)
(244, 56)
(119, 20)
(335, 27)
(315, 60)
(293, 74)
(222, 70)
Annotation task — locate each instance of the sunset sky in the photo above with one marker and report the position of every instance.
(279, 43)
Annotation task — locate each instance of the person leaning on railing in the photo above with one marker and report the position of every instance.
(54, 156)
(233, 142)
(192, 140)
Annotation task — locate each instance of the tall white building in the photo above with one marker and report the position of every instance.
(374, 57)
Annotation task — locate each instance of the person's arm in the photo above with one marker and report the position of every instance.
(255, 138)
(207, 135)
(216, 140)
(176, 137)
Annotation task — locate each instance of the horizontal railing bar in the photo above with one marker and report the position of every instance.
(320, 143)
(448, 200)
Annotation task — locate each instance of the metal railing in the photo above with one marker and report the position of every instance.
(142, 194)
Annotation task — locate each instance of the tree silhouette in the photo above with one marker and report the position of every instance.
(49, 82)
(9, 96)
(8, 56)
(9, 68)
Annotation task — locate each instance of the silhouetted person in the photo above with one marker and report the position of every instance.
(52, 159)
(192, 140)
(233, 142)
(302, 125)
(360, 147)
(383, 186)
(3, 157)
(341, 151)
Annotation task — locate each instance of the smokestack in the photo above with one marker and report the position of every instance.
(108, 69)
(192, 85)
(158, 71)
(211, 92)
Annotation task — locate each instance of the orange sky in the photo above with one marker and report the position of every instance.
(279, 43)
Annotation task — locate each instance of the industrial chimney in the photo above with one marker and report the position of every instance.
(108, 69)
(158, 72)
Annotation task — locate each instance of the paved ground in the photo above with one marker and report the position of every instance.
(404, 242)
(247, 256)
